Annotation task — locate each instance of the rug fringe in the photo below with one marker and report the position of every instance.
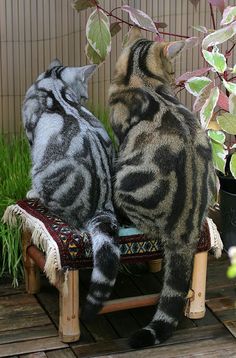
(40, 238)
(216, 242)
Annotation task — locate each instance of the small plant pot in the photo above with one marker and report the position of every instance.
(228, 218)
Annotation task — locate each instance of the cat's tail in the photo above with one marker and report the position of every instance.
(103, 229)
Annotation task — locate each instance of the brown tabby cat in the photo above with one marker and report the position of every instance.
(164, 172)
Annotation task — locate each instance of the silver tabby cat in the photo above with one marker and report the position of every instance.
(72, 160)
(164, 173)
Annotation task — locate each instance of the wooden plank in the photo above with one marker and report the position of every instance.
(21, 311)
(62, 353)
(6, 288)
(180, 337)
(34, 355)
(217, 348)
(37, 345)
(28, 333)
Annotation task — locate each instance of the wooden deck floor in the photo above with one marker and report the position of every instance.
(28, 324)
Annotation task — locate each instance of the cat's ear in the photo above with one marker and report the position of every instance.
(87, 71)
(54, 63)
(172, 49)
(133, 35)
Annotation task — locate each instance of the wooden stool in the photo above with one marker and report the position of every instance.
(51, 245)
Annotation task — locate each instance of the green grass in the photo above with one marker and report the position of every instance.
(103, 115)
(14, 183)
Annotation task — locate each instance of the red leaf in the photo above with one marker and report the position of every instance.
(188, 75)
(220, 4)
(223, 101)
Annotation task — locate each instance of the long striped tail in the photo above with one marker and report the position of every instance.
(178, 269)
(103, 229)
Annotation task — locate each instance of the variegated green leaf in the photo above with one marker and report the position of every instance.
(80, 5)
(140, 18)
(216, 136)
(232, 104)
(219, 36)
(202, 97)
(230, 86)
(219, 156)
(216, 59)
(232, 165)
(234, 69)
(227, 122)
(228, 15)
(92, 55)
(195, 85)
(98, 33)
(208, 107)
(200, 29)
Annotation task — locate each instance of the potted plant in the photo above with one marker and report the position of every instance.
(214, 87)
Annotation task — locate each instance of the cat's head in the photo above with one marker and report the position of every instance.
(75, 78)
(146, 62)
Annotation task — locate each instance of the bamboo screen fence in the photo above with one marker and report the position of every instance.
(33, 32)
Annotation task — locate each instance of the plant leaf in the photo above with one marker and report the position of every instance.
(188, 75)
(98, 33)
(160, 25)
(80, 5)
(219, 36)
(227, 122)
(232, 165)
(92, 55)
(216, 59)
(114, 28)
(228, 15)
(140, 18)
(232, 104)
(220, 4)
(234, 69)
(223, 101)
(200, 28)
(208, 107)
(191, 42)
(216, 136)
(230, 86)
(219, 156)
(195, 84)
(202, 97)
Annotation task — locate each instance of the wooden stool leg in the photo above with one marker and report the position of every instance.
(32, 272)
(195, 308)
(69, 330)
(155, 265)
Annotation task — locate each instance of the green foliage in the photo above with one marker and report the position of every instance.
(217, 98)
(14, 183)
(103, 115)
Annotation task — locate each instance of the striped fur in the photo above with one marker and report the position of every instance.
(164, 172)
(72, 160)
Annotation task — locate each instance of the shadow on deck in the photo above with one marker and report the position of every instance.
(28, 324)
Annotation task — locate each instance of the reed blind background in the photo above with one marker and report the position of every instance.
(34, 32)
